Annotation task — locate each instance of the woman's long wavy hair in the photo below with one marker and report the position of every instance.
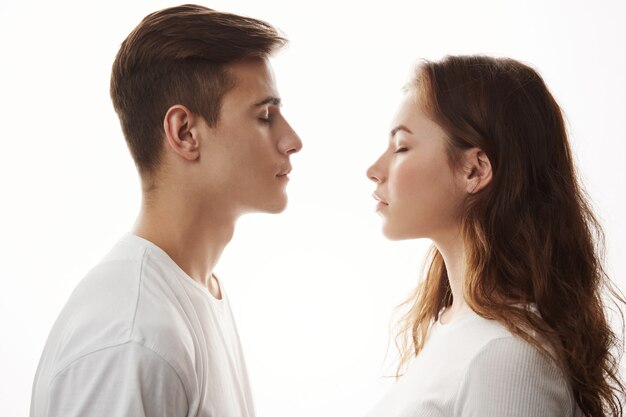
(530, 236)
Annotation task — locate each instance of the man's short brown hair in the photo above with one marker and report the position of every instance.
(179, 56)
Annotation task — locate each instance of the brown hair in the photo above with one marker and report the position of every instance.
(180, 55)
(530, 236)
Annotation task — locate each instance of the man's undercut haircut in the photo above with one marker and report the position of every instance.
(180, 55)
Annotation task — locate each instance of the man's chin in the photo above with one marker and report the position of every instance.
(275, 206)
(278, 207)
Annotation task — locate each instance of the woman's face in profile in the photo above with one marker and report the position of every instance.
(416, 187)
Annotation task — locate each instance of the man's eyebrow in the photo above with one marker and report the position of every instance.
(275, 101)
(398, 128)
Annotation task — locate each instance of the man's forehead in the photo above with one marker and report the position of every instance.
(254, 82)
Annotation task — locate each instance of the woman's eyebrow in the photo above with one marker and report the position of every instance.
(398, 128)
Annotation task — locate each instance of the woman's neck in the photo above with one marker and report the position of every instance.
(453, 254)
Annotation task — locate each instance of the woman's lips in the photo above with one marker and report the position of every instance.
(377, 198)
(381, 203)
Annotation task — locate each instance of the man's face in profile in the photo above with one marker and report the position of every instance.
(247, 152)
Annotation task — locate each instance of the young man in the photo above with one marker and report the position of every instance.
(149, 331)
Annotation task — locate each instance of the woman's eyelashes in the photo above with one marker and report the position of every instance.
(400, 150)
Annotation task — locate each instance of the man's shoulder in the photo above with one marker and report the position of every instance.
(120, 300)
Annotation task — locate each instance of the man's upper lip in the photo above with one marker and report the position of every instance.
(377, 198)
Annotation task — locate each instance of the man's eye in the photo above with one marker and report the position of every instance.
(399, 150)
(266, 120)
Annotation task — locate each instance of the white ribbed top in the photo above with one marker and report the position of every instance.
(475, 367)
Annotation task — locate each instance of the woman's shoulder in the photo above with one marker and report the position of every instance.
(504, 372)
(489, 341)
(488, 346)
(450, 348)
(510, 373)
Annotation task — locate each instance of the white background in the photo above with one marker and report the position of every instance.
(313, 289)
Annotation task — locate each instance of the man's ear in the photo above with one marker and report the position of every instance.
(180, 132)
(477, 171)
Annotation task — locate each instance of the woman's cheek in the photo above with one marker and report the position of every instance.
(406, 178)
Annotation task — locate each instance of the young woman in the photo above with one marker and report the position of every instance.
(509, 320)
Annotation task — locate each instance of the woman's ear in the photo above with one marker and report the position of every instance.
(477, 171)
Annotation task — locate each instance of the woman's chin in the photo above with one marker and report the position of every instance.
(397, 233)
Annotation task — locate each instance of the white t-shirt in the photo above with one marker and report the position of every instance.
(139, 337)
(474, 367)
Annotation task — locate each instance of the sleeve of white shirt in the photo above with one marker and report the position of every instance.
(511, 378)
(124, 380)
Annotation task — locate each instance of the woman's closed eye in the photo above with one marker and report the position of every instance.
(400, 150)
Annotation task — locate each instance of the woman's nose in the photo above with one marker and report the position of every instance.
(374, 175)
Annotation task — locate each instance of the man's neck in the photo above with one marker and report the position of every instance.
(192, 236)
